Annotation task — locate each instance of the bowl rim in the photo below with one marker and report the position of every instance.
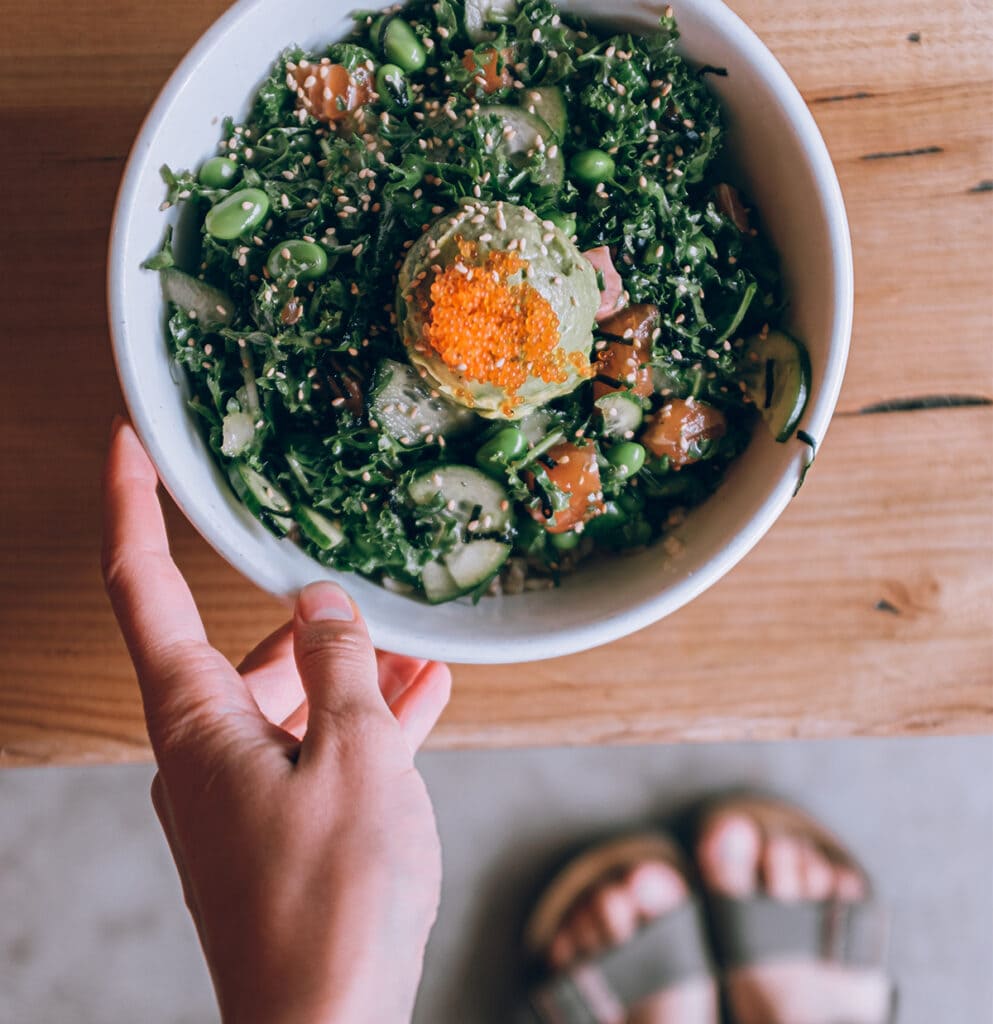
(602, 629)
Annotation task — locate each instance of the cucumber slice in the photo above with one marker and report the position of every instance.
(777, 377)
(472, 565)
(261, 497)
(403, 405)
(209, 306)
(325, 533)
(548, 103)
(536, 426)
(622, 414)
(470, 495)
(439, 585)
(464, 570)
(480, 12)
(256, 491)
(527, 134)
(237, 434)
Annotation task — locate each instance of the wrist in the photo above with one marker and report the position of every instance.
(359, 962)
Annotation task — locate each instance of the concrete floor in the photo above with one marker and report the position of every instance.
(93, 930)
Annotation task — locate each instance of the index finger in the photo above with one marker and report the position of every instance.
(153, 604)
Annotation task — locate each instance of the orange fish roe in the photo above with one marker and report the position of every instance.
(489, 329)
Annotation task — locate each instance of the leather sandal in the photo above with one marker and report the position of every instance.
(663, 954)
(759, 929)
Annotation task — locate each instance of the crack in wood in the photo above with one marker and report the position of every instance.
(842, 97)
(897, 153)
(91, 159)
(882, 605)
(986, 185)
(921, 403)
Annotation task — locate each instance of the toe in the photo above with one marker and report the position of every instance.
(562, 951)
(782, 868)
(585, 934)
(615, 913)
(817, 875)
(728, 855)
(849, 885)
(656, 888)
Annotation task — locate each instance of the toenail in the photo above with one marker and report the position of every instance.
(737, 839)
(656, 888)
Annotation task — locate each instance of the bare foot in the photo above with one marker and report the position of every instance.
(735, 859)
(609, 916)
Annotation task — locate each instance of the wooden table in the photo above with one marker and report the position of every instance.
(867, 610)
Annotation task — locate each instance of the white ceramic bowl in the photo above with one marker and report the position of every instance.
(786, 169)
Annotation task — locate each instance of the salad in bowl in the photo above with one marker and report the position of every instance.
(473, 298)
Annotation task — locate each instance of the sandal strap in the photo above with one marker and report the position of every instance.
(759, 929)
(665, 952)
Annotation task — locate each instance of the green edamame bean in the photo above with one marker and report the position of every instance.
(237, 214)
(219, 172)
(627, 459)
(565, 222)
(528, 535)
(612, 518)
(630, 502)
(564, 541)
(306, 261)
(504, 447)
(401, 46)
(393, 88)
(593, 166)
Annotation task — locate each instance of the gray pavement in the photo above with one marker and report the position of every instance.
(93, 930)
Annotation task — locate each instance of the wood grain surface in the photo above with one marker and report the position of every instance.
(868, 610)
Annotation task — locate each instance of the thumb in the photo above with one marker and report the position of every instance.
(336, 660)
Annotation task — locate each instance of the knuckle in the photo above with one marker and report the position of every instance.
(117, 570)
(361, 736)
(175, 729)
(349, 721)
(180, 721)
(345, 649)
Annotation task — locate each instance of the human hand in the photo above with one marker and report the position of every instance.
(303, 834)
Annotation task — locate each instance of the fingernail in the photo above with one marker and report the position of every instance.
(325, 602)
